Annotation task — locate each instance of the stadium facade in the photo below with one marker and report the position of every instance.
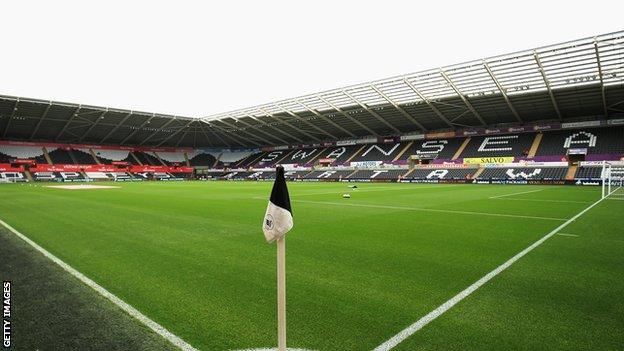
(547, 115)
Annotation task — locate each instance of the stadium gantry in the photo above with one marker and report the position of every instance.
(577, 80)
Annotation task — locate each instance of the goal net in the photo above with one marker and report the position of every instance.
(612, 179)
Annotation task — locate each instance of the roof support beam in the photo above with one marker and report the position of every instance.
(375, 114)
(276, 129)
(325, 118)
(6, 129)
(289, 124)
(43, 116)
(115, 128)
(461, 96)
(176, 132)
(160, 129)
(71, 119)
(250, 139)
(268, 142)
(602, 87)
(226, 134)
(101, 116)
(147, 121)
(260, 130)
(305, 121)
(346, 115)
(503, 91)
(399, 108)
(208, 138)
(547, 82)
(429, 103)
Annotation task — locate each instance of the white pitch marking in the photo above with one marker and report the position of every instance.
(162, 331)
(429, 210)
(542, 200)
(565, 234)
(273, 349)
(410, 330)
(359, 190)
(520, 193)
(611, 198)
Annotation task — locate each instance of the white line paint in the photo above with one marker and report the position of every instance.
(617, 199)
(512, 194)
(172, 338)
(565, 234)
(424, 209)
(543, 200)
(410, 330)
(272, 349)
(360, 190)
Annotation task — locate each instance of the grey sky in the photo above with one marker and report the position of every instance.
(195, 58)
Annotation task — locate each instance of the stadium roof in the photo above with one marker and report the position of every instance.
(581, 79)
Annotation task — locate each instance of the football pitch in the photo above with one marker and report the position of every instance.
(360, 271)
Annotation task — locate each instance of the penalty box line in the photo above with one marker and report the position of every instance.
(159, 329)
(431, 316)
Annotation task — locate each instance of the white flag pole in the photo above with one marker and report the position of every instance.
(281, 294)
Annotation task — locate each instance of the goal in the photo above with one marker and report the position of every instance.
(612, 178)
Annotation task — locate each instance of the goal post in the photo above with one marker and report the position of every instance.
(612, 178)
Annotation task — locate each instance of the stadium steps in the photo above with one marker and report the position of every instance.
(535, 145)
(355, 154)
(461, 148)
(72, 156)
(216, 162)
(408, 172)
(317, 156)
(159, 159)
(97, 160)
(136, 158)
(478, 172)
(186, 160)
(403, 151)
(283, 158)
(29, 176)
(252, 162)
(571, 172)
(46, 155)
(352, 173)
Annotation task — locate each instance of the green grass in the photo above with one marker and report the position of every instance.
(192, 257)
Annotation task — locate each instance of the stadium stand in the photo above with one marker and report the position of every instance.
(147, 159)
(108, 156)
(385, 174)
(302, 156)
(82, 157)
(379, 152)
(436, 149)
(247, 161)
(441, 173)
(203, 160)
(340, 154)
(595, 140)
(524, 173)
(499, 145)
(330, 174)
(61, 157)
(588, 172)
(13, 176)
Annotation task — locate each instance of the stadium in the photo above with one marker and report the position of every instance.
(476, 206)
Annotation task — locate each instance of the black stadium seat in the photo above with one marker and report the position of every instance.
(596, 141)
(499, 145)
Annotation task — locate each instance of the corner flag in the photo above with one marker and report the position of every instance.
(278, 217)
(277, 222)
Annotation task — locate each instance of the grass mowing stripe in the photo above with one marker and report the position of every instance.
(407, 332)
(520, 193)
(428, 210)
(160, 330)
